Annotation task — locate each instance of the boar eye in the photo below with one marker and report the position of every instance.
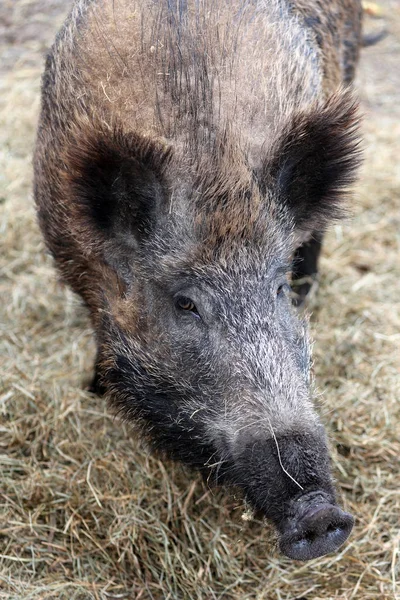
(186, 304)
(282, 289)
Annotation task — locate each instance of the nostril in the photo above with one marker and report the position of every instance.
(333, 529)
(310, 536)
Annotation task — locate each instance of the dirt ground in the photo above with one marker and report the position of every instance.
(85, 512)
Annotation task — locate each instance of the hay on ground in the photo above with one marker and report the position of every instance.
(85, 512)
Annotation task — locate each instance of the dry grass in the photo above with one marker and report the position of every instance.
(85, 512)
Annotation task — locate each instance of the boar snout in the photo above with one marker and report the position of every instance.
(287, 479)
(318, 529)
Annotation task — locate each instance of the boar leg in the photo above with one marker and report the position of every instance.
(96, 386)
(305, 268)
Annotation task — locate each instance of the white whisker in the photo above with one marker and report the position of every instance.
(280, 461)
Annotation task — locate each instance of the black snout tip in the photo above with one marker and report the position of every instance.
(321, 531)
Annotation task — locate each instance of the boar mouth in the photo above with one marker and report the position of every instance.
(317, 528)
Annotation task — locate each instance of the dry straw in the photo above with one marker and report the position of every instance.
(86, 513)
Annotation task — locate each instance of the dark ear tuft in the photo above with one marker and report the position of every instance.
(315, 161)
(116, 180)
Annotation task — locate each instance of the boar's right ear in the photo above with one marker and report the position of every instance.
(117, 186)
(314, 162)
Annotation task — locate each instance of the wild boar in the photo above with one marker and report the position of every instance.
(189, 153)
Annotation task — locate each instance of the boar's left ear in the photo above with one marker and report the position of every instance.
(315, 160)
